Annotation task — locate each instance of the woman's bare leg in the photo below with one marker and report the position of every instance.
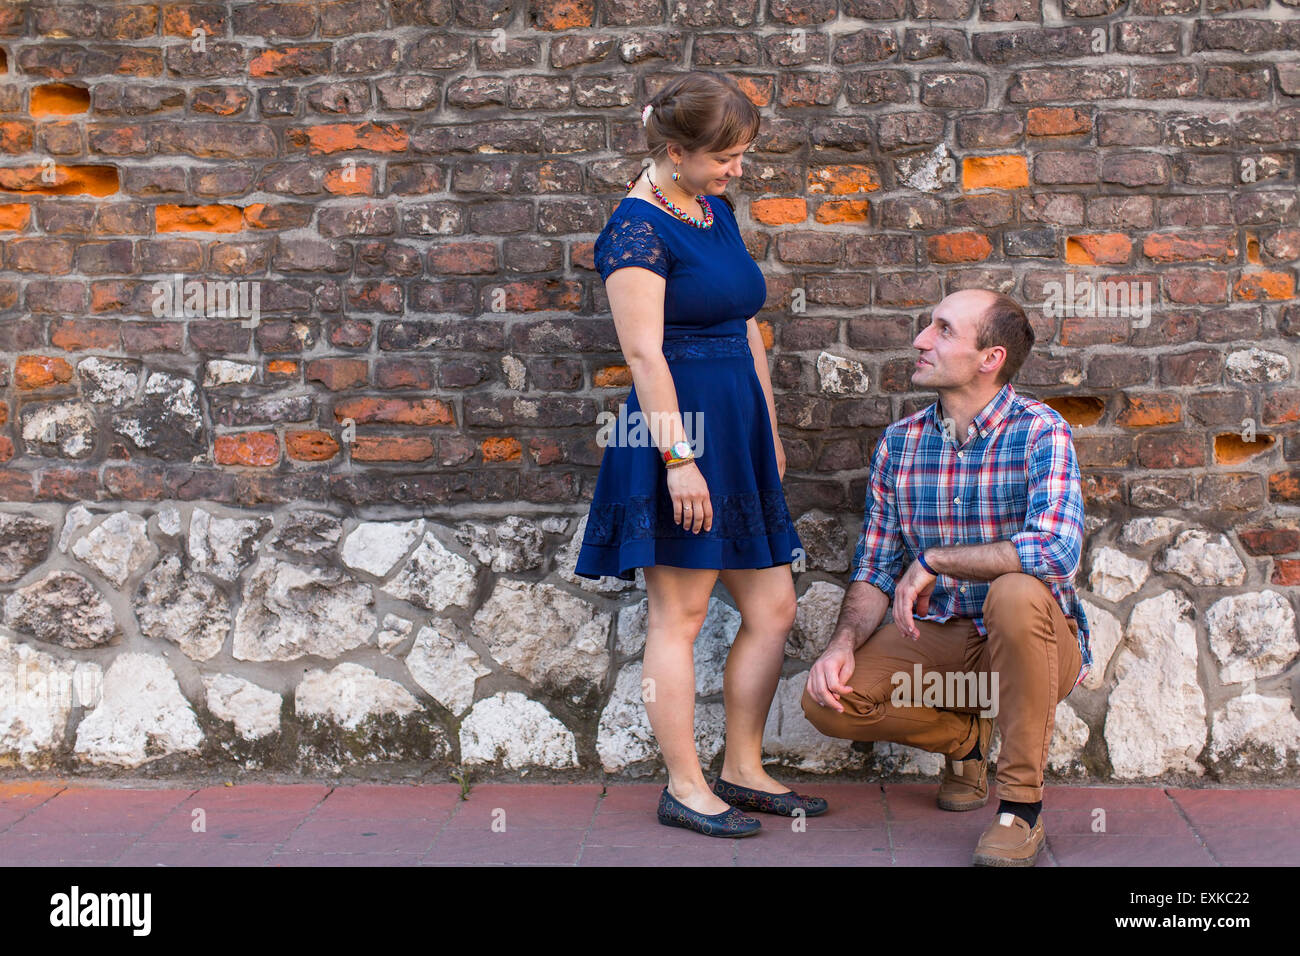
(765, 597)
(678, 602)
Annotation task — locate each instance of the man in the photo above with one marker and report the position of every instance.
(976, 500)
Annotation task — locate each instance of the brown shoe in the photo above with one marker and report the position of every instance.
(1008, 841)
(966, 782)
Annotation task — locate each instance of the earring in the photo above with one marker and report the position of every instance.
(675, 177)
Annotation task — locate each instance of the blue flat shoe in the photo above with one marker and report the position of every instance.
(728, 823)
(782, 804)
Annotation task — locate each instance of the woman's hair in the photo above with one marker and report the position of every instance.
(701, 110)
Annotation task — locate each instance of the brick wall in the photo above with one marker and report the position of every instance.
(411, 190)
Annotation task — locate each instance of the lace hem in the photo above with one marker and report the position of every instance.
(705, 346)
(746, 514)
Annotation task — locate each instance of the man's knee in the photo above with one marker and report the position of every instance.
(1016, 593)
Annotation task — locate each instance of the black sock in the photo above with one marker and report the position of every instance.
(1025, 811)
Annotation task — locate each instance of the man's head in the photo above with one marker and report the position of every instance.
(974, 335)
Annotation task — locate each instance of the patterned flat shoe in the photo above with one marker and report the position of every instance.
(783, 804)
(728, 823)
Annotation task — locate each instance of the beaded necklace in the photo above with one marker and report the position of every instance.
(677, 211)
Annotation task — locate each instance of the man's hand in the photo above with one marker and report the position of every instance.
(827, 679)
(912, 591)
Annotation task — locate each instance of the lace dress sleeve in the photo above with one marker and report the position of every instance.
(631, 242)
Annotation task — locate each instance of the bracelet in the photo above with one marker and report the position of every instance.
(920, 556)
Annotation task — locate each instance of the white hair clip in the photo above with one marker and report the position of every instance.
(645, 113)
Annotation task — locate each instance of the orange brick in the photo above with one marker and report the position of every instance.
(362, 182)
(1170, 247)
(1077, 410)
(779, 210)
(1231, 449)
(39, 371)
(1265, 285)
(59, 99)
(310, 445)
(337, 137)
(1111, 248)
(395, 411)
(1057, 121)
(843, 210)
(563, 14)
(252, 449)
(387, 448)
(841, 180)
(769, 337)
(68, 180)
(216, 218)
(282, 367)
(994, 172)
(500, 449)
(6, 448)
(1144, 411)
(15, 216)
(79, 335)
(612, 376)
(959, 247)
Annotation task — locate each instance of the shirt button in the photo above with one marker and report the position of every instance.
(958, 454)
(962, 589)
(983, 433)
(956, 501)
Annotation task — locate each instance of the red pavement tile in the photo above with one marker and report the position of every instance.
(226, 826)
(77, 810)
(431, 801)
(917, 803)
(91, 849)
(922, 836)
(1127, 850)
(1243, 808)
(352, 835)
(195, 854)
(1252, 846)
(1109, 798)
(620, 797)
(1115, 821)
(710, 851)
(260, 796)
(515, 845)
(850, 805)
(542, 806)
(344, 859)
(868, 847)
(640, 829)
(24, 794)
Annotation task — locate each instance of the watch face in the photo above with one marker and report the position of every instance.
(681, 449)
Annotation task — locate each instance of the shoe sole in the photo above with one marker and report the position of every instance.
(983, 859)
(946, 803)
(727, 836)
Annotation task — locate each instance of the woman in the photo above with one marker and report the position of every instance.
(683, 291)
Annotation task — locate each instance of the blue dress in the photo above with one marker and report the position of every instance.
(713, 286)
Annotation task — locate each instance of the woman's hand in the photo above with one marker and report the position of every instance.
(780, 455)
(690, 492)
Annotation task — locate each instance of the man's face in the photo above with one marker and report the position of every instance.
(947, 356)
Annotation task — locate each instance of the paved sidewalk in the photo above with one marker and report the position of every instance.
(81, 823)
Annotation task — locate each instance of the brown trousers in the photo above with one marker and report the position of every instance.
(1028, 662)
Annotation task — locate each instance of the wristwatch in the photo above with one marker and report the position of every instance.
(678, 454)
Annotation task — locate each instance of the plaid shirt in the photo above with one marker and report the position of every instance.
(1015, 479)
